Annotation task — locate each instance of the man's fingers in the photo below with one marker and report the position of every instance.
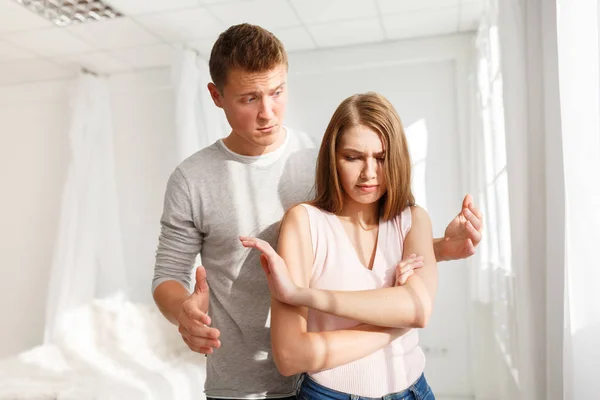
(475, 221)
(204, 350)
(474, 234)
(469, 247)
(208, 334)
(193, 313)
(196, 329)
(194, 348)
(199, 341)
(467, 201)
(198, 349)
(201, 284)
(477, 213)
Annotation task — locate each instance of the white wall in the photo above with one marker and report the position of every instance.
(34, 157)
(143, 116)
(34, 154)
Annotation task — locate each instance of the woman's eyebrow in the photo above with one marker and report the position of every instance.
(351, 150)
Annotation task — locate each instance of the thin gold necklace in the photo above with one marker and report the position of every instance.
(367, 229)
(361, 225)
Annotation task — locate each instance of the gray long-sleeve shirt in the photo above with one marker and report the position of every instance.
(212, 198)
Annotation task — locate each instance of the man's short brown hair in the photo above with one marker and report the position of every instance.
(245, 46)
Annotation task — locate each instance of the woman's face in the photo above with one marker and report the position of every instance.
(359, 157)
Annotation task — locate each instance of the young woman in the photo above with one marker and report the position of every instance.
(343, 309)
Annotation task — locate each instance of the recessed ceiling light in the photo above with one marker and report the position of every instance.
(68, 12)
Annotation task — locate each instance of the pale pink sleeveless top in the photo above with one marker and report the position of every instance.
(336, 266)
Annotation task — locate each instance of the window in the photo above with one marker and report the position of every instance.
(496, 248)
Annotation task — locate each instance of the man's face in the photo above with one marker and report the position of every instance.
(254, 104)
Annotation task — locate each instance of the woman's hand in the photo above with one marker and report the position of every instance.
(280, 282)
(406, 268)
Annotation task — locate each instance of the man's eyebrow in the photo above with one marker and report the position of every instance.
(254, 92)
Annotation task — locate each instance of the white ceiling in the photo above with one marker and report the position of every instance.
(32, 48)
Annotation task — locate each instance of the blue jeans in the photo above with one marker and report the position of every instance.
(311, 390)
(283, 398)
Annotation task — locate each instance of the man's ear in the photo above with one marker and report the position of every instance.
(215, 95)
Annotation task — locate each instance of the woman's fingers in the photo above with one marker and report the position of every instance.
(410, 260)
(405, 277)
(248, 241)
(405, 268)
(259, 244)
(264, 263)
(411, 266)
(269, 256)
(266, 248)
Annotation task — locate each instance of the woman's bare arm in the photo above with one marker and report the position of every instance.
(409, 305)
(294, 349)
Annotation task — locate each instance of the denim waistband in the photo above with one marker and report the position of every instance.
(311, 390)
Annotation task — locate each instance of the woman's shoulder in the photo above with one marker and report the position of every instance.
(307, 219)
(297, 215)
(418, 220)
(409, 217)
(304, 210)
(418, 214)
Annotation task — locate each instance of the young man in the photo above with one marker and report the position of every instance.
(241, 186)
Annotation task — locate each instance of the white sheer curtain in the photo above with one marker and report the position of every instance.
(579, 73)
(213, 125)
(527, 38)
(549, 88)
(494, 274)
(88, 260)
(198, 121)
(185, 77)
